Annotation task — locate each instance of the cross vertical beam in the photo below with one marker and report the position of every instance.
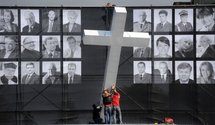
(115, 40)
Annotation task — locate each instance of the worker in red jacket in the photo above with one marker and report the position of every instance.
(117, 115)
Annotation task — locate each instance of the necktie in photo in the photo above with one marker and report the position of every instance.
(71, 80)
(30, 29)
(50, 55)
(27, 79)
(162, 25)
(71, 54)
(141, 77)
(50, 26)
(141, 52)
(162, 79)
(141, 27)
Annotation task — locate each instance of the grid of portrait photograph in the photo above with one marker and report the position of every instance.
(43, 45)
(181, 48)
(40, 46)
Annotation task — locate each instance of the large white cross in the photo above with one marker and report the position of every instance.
(115, 40)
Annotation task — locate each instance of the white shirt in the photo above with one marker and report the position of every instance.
(164, 76)
(69, 76)
(50, 26)
(76, 53)
(7, 54)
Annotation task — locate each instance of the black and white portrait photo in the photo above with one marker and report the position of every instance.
(10, 47)
(30, 21)
(162, 72)
(205, 46)
(205, 72)
(30, 47)
(30, 73)
(8, 20)
(163, 20)
(183, 20)
(205, 19)
(51, 72)
(71, 46)
(184, 46)
(142, 20)
(71, 20)
(9, 73)
(142, 72)
(184, 72)
(72, 72)
(140, 52)
(51, 47)
(162, 46)
(51, 21)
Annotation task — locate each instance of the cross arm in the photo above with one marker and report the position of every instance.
(97, 37)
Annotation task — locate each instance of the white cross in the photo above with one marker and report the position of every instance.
(115, 40)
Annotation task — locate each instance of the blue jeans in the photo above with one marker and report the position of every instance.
(108, 114)
(117, 115)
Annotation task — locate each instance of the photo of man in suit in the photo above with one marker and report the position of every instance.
(162, 75)
(9, 77)
(51, 76)
(32, 26)
(164, 25)
(52, 23)
(72, 26)
(142, 76)
(184, 70)
(10, 49)
(71, 77)
(142, 25)
(31, 77)
(184, 25)
(50, 48)
(29, 49)
(142, 52)
(74, 48)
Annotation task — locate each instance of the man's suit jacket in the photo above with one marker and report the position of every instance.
(56, 54)
(36, 28)
(76, 79)
(157, 77)
(55, 28)
(190, 81)
(56, 81)
(166, 28)
(76, 27)
(14, 54)
(146, 54)
(209, 53)
(35, 79)
(30, 54)
(181, 54)
(146, 78)
(181, 27)
(144, 28)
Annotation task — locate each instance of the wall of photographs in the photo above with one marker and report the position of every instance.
(45, 67)
(177, 38)
(34, 40)
(180, 38)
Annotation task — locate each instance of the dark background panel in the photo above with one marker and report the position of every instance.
(8, 98)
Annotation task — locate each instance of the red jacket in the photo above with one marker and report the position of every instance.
(116, 99)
